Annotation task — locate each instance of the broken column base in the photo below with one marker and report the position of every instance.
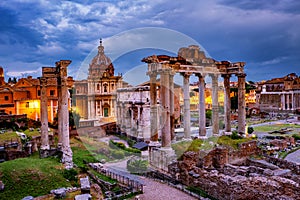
(161, 158)
(67, 159)
(45, 153)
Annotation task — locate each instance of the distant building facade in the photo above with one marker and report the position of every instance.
(23, 97)
(95, 97)
(279, 94)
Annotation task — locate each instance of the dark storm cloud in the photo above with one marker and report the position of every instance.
(265, 34)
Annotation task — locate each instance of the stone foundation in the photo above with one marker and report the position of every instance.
(161, 158)
(255, 179)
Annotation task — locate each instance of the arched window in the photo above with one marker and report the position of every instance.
(105, 87)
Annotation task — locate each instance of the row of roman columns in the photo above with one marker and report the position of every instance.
(167, 103)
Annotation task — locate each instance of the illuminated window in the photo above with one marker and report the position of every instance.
(27, 104)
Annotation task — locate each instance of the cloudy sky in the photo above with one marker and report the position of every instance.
(36, 33)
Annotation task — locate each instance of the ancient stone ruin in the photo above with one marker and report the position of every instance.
(59, 73)
(227, 174)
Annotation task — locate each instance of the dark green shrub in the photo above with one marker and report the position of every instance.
(70, 174)
(250, 130)
(296, 136)
(117, 154)
(235, 135)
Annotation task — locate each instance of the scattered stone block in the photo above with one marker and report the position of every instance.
(59, 193)
(268, 172)
(1, 186)
(282, 172)
(28, 198)
(83, 197)
(85, 185)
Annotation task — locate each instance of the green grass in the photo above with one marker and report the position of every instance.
(103, 177)
(274, 127)
(234, 143)
(12, 136)
(284, 154)
(31, 176)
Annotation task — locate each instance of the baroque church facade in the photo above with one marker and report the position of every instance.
(95, 97)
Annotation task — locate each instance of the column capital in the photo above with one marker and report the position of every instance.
(186, 74)
(214, 75)
(200, 75)
(226, 75)
(242, 75)
(43, 81)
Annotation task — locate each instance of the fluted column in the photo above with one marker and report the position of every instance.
(186, 105)
(165, 103)
(215, 104)
(288, 101)
(202, 115)
(171, 88)
(227, 102)
(60, 131)
(241, 103)
(64, 114)
(153, 107)
(44, 115)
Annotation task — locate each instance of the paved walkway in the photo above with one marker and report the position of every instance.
(160, 191)
(294, 157)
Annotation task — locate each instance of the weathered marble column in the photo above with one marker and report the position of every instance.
(165, 103)
(288, 101)
(283, 101)
(60, 131)
(241, 103)
(215, 104)
(202, 114)
(64, 114)
(227, 102)
(186, 105)
(44, 115)
(293, 101)
(153, 107)
(172, 120)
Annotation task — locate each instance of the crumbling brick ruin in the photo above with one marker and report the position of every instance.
(227, 174)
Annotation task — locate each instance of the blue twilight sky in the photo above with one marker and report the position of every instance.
(36, 33)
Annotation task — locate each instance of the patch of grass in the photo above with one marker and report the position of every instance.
(274, 127)
(234, 143)
(12, 136)
(82, 156)
(31, 176)
(284, 154)
(103, 177)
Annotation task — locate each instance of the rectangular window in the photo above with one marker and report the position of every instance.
(6, 98)
(27, 104)
(39, 92)
(52, 92)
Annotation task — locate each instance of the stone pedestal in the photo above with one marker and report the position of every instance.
(161, 158)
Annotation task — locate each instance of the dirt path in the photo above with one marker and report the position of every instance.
(160, 191)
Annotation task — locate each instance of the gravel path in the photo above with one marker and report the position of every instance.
(294, 157)
(159, 191)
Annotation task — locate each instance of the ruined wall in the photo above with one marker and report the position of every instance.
(236, 185)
